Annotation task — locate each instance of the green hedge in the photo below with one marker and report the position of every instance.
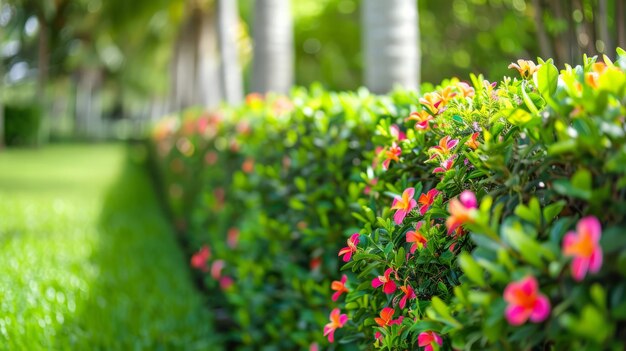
(460, 209)
(21, 124)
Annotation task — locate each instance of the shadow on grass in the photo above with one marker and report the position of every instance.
(143, 297)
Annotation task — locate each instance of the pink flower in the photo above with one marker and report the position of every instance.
(386, 316)
(389, 286)
(393, 154)
(314, 347)
(339, 287)
(216, 269)
(351, 248)
(525, 301)
(426, 200)
(446, 165)
(416, 238)
(396, 133)
(199, 259)
(465, 89)
(232, 237)
(462, 210)
(427, 339)
(409, 294)
(403, 205)
(443, 149)
(337, 321)
(584, 246)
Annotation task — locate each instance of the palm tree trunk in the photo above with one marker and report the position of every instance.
(542, 35)
(620, 20)
(391, 44)
(194, 67)
(602, 28)
(230, 70)
(272, 68)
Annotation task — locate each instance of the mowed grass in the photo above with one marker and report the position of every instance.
(87, 259)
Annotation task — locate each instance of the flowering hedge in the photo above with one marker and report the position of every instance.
(478, 215)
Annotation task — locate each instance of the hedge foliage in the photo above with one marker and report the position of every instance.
(478, 215)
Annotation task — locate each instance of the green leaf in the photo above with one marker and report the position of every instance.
(471, 269)
(400, 257)
(547, 79)
(553, 210)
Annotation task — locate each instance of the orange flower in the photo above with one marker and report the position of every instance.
(462, 210)
(447, 94)
(426, 200)
(526, 68)
(393, 154)
(431, 102)
(340, 287)
(416, 238)
(472, 143)
(386, 316)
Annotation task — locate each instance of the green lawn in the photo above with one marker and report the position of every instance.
(87, 259)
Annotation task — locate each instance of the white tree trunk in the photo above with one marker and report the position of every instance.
(230, 69)
(88, 110)
(272, 29)
(391, 44)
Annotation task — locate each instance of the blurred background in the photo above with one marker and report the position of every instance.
(96, 69)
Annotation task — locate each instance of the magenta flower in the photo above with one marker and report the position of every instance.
(427, 339)
(351, 248)
(403, 205)
(525, 301)
(584, 246)
(389, 286)
(396, 133)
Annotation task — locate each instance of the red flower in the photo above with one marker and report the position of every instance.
(339, 287)
(351, 248)
(232, 237)
(396, 133)
(385, 280)
(446, 165)
(199, 259)
(426, 200)
(337, 320)
(409, 294)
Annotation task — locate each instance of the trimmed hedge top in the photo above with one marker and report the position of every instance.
(479, 215)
